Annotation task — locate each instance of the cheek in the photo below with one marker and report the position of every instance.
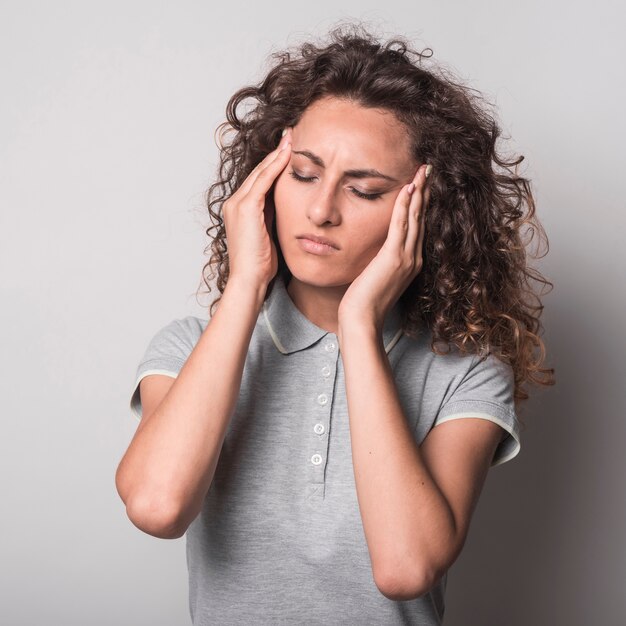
(373, 231)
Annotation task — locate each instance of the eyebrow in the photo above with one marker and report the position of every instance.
(366, 173)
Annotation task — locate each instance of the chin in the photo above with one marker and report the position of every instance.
(312, 274)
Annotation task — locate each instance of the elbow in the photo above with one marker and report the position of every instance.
(398, 587)
(401, 580)
(156, 516)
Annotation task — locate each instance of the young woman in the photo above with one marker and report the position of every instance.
(322, 454)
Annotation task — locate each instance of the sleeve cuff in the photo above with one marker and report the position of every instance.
(135, 400)
(510, 446)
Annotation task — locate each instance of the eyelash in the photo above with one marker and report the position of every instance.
(365, 196)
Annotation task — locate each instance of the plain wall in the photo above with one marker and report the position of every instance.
(108, 111)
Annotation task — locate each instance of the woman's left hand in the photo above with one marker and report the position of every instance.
(377, 288)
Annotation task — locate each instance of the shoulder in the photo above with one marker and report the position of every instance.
(417, 353)
(176, 339)
(187, 328)
(452, 363)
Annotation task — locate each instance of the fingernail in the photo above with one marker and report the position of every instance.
(429, 169)
(411, 188)
(284, 132)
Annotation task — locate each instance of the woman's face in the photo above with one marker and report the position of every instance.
(334, 143)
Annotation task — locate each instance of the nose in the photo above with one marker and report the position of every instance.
(323, 208)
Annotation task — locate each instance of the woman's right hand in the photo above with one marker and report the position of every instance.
(248, 220)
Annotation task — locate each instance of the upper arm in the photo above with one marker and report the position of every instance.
(458, 454)
(167, 352)
(152, 389)
(159, 366)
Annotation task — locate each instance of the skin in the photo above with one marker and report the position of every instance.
(346, 136)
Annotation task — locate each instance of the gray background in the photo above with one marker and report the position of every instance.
(106, 147)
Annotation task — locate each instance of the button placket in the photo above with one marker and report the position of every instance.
(323, 399)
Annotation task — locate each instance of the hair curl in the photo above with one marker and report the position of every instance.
(473, 290)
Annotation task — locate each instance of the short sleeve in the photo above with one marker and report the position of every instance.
(487, 391)
(166, 353)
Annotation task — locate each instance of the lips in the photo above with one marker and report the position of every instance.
(319, 239)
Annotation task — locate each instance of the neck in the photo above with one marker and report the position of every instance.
(318, 304)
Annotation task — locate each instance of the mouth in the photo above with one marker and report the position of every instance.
(319, 240)
(314, 246)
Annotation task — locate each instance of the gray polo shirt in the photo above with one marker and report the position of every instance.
(280, 539)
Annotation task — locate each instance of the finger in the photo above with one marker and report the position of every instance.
(399, 223)
(419, 249)
(414, 211)
(244, 189)
(266, 176)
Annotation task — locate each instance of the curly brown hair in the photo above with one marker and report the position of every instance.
(473, 290)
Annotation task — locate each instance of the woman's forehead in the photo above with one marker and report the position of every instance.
(358, 136)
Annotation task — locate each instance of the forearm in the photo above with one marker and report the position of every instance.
(407, 521)
(172, 458)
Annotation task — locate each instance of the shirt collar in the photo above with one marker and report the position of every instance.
(291, 330)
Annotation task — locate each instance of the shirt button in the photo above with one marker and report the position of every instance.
(316, 459)
(322, 398)
(319, 428)
(330, 346)
(326, 371)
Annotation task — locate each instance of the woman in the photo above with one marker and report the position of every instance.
(308, 438)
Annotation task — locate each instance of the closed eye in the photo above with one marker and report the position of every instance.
(365, 196)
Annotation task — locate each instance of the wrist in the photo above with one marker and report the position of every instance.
(247, 289)
(361, 329)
